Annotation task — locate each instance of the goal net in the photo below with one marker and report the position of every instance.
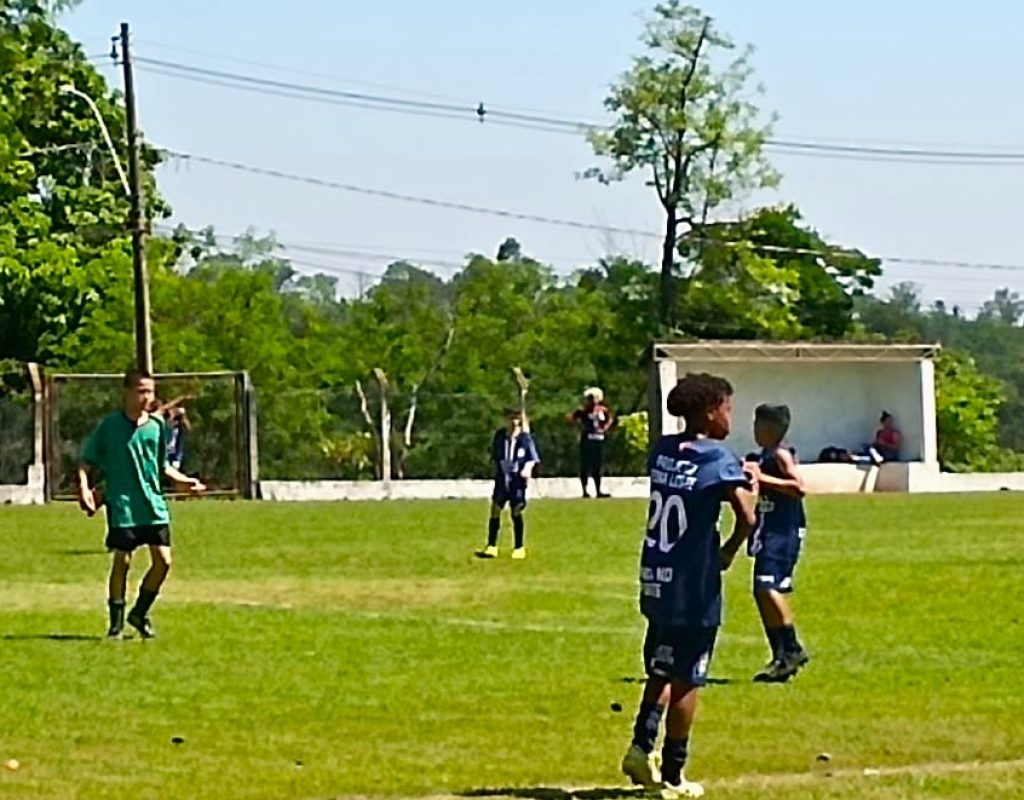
(217, 428)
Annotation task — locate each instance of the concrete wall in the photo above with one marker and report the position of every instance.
(833, 403)
(32, 492)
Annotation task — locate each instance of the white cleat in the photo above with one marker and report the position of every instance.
(685, 788)
(641, 768)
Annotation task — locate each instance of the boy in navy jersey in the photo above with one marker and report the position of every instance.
(692, 474)
(775, 544)
(515, 458)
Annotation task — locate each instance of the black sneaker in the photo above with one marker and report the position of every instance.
(114, 632)
(141, 624)
(798, 658)
(603, 495)
(779, 670)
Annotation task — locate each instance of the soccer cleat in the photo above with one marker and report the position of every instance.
(603, 495)
(778, 671)
(685, 788)
(519, 554)
(798, 659)
(114, 632)
(141, 624)
(641, 768)
(491, 551)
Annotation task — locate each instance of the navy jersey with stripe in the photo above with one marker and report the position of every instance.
(680, 571)
(780, 517)
(511, 454)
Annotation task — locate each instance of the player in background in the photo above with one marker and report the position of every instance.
(692, 474)
(777, 540)
(128, 451)
(594, 419)
(515, 457)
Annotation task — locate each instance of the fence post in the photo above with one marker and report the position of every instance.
(385, 431)
(251, 443)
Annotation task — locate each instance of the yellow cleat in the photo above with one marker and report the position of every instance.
(519, 554)
(488, 552)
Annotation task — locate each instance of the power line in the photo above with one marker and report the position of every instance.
(434, 202)
(389, 195)
(549, 123)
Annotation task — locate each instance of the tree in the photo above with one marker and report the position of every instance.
(62, 207)
(812, 283)
(687, 123)
(1006, 306)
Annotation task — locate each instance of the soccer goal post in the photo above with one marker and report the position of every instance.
(219, 426)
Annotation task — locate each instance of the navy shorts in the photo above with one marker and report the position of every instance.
(679, 653)
(775, 563)
(513, 495)
(127, 539)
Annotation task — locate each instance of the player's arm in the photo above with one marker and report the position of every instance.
(86, 480)
(533, 459)
(743, 501)
(610, 421)
(791, 483)
(182, 482)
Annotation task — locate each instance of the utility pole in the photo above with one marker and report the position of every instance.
(136, 219)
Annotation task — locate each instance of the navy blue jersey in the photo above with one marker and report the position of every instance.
(780, 517)
(511, 454)
(680, 570)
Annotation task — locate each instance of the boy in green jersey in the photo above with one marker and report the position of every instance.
(128, 451)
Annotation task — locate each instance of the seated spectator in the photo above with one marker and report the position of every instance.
(888, 440)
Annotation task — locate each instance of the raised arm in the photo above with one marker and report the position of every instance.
(791, 483)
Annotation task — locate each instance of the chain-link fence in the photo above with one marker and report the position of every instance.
(17, 427)
(206, 417)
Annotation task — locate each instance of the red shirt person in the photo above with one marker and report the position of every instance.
(888, 439)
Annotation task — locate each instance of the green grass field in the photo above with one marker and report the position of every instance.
(318, 651)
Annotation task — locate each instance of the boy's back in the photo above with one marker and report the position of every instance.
(780, 516)
(680, 578)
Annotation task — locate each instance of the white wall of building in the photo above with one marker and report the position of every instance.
(833, 403)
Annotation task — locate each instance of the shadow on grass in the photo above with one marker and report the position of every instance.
(51, 637)
(553, 793)
(83, 552)
(710, 681)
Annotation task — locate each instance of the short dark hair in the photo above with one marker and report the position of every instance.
(513, 411)
(777, 415)
(133, 376)
(886, 416)
(697, 394)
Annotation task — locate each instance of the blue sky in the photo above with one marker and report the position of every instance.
(912, 72)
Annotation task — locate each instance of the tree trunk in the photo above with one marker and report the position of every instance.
(666, 298)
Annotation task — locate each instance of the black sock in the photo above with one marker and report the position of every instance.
(673, 759)
(116, 609)
(518, 529)
(775, 641)
(144, 602)
(787, 635)
(583, 483)
(493, 528)
(597, 484)
(645, 729)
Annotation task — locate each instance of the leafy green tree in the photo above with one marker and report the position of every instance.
(688, 124)
(810, 283)
(62, 206)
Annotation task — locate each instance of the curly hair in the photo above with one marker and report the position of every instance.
(697, 394)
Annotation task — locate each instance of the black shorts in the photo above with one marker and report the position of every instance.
(679, 653)
(127, 539)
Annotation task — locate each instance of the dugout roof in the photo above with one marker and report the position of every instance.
(792, 351)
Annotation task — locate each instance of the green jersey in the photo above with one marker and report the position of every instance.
(132, 458)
